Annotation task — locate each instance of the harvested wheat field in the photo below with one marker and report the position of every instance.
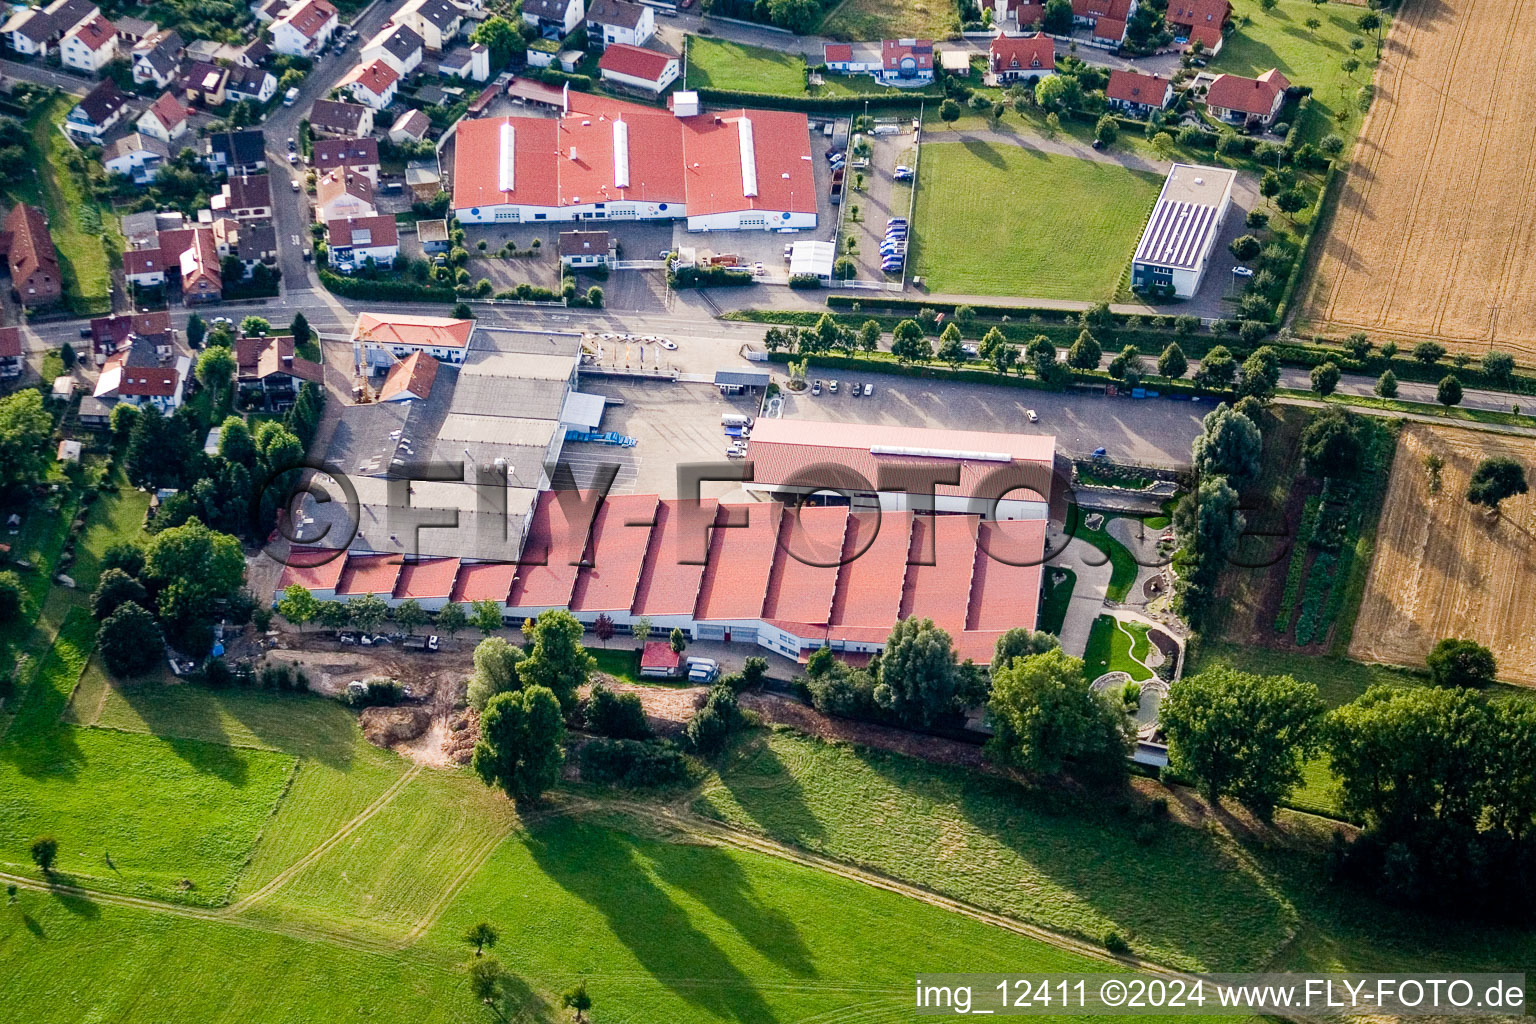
(1433, 236)
(1443, 566)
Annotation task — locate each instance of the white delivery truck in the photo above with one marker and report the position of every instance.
(735, 419)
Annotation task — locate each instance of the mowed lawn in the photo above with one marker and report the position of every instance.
(77, 222)
(997, 219)
(721, 64)
(892, 19)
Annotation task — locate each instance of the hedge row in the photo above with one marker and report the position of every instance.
(388, 291)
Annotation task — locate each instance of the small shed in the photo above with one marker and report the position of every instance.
(63, 387)
(69, 451)
(94, 412)
(659, 661)
(585, 248)
(813, 259)
(734, 382)
(433, 235)
(955, 62)
(211, 442)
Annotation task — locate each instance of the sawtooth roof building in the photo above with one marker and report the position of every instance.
(605, 159)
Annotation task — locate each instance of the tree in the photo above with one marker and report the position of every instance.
(1021, 642)
(919, 679)
(481, 935)
(1456, 662)
(990, 343)
(1386, 384)
(1045, 718)
(25, 431)
(618, 715)
(1260, 374)
(113, 589)
(300, 329)
(130, 641)
(909, 344)
(1246, 247)
(255, 326)
(122, 421)
(799, 16)
(1291, 202)
(298, 605)
(558, 661)
(236, 444)
(1428, 353)
(869, 335)
(708, 731)
(678, 641)
(1448, 391)
(45, 850)
(1217, 368)
(461, 311)
(1229, 445)
(332, 615)
(951, 347)
(215, 369)
(1358, 345)
(367, 612)
(496, 671)
(501, 37)
(192, 567)
(1494, 480)
(11, 592)
(521, 745)
(1057, 18)
(452, 619)
(409, 614)
(1172, 362)
(1325, 378)
(1004, 358)
(576, 1000)
(1085, 352)
(1269, 5)
(640, 629)
(1350, 65)
(278, 447)
(485, 977)
(486, 617)
(1107, 130)
(1331, 445)
(603, 628)
(1241, 735)
(1370, 21)
(949, 110)
(197, 330)
(1050, 93)
(1499, 366)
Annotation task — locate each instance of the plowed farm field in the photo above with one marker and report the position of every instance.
(1434, 235)
(1443, 566)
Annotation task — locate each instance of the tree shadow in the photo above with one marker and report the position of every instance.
(33, 927)
(75, 902)
(764, 787)
(329, 738)
(603, 869)
(53, 754)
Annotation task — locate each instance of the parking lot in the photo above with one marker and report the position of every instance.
(881, 198)
(1154, 431)
(673, 424)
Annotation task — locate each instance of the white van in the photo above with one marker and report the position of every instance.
(291, 97)
(735, 419)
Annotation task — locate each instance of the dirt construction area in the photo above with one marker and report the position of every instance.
(1432, 237)
(1443, 566)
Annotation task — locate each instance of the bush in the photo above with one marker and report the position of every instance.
(708, 277)
(632, 764)
(376, 693)
(618, 715)
(1116, 944)
(804, 281)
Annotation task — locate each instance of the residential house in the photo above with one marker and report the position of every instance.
(245, 197)
(32, 31)
(433, 236)
(648, 71)
(1106, 18)
(359, 155)
(156, 58)
(844, 59)
(135, 156)
(410, 378)
(237, 152)
(269, 367)
(906, 61)
(619, 21)
(340, 120)
(586, 249)
(1022, 58)
(90, 46)
(166, 119)
(268, 11)
(379, 339)
(471, 63)
(399, 46)
(423, 179)
(1137, 94)
(341, 194)
(135, 376)
(11, 357)
(34, 263)
(305, 28)
(203, 84)
(373, 85)
(190, 255)
(201, 277)
(555, 19)
(437, 22)
(411, 126)
(352, 242)
(256, 244)
(98, 113)
(1199, 21)
(111, 334)
(1240, 100)
(248, 83)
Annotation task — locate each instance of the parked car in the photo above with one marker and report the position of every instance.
(668, 344)
(816, 388)
(291, 97)
(85, 332)
(1034, 417)
(903, 173)
(832, 386)
(347, 638)
(869, 389)
(758, 270)
(735, 453)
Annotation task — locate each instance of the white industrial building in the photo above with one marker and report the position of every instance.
(1175, 248)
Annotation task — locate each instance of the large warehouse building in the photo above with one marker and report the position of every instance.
(1175, 248)
(605, 159)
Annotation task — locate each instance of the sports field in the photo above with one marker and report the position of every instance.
(997, 219)
(1431, 239)
(1443, 567)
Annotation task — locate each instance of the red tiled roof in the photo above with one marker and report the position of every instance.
(635, 61)
(712, 152)
(1247, 95)
(311, 18)
(669, 581)
(96, 33)
(168, 111)
(329, 153)
(621, 534)
(10, 342)
(806, 563)
(369, 574)
(382, 232)
(1135, 87)
(31, 249)
(432, 578)
(1206, 36)
(838, 53)
(1023, 53)
(483, 581)
(147, 261)
(1005, 588)
(741, 553)
(336, 183)
(557, 541)
(940, 564)
(313, 568)
(893, 50)
(1201, 13)
(1109, 28)
(1117, 10)
(659, 654)
(422, 331)
(376, 77)
(875, 565)
(415, 373)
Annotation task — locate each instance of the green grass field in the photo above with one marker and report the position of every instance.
(892, 19)
(721, 64)
(1003, 220)
(76, 221)
(1281, 39)
(1111, 649)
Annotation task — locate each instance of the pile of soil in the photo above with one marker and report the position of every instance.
(463, 731)
(386, 726)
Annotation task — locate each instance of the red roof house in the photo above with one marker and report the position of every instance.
(1022, 58)
(1137, 93)
(658, 659)
(637, 67)
(1236, 99)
